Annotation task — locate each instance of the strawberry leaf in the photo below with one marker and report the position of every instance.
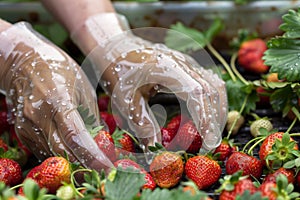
(125, 185)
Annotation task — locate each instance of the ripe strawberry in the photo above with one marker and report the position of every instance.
(168, 135)
(106, 144)
(175, 122)
(51, 173)
(125, 163)
(203, 170)
(234, 185)
(289, 173)
(3, 145)
(225, 149)
(188, 138)
(234, 122)
(258, 124)
(111, 121)
(249, 165)
(103, 102)
(263, 95)
(166, 169)
(4, 125)
(281, 154)
(10, 172)
(250, 56)
(267, 190)
(124, 143)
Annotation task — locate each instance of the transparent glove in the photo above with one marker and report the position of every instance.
(132, 70)
(44, 87)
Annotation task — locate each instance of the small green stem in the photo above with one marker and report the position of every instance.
(73, 178)
(248, 143)
(235, 71)
(294, 134)
(240, 111)
(292, 125)
(222, 60)
(255, 144)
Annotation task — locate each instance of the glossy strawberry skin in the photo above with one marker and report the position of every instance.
(188, 138)
(266, 146)
(103, 102)
(240, 187)
(167, 169)
(127, 144)
(203, 171)
(266, 190)
(125, 163)
(289, 173)
(176, 121)
(224, 150)
(10, 172)
(241, 161)
(51, 173)
(168, 135)
(105, 143)
(250, 56)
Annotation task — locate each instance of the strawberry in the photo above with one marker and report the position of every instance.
(175, 122)
(249, 165)
(124, 144)
(125, 163)
(250, 56)
(289, 173)
(258, 124)
(105, 143)
(10, 172)
(188, 138)
(51, 173)
(234, 122)
(66, 192)
(280, 189)
(167, 169)
(203, 170)
(263, 95)
(225, 149)
(103, 102)
(111, 121)
(168, 135)
(235, 185)
(4, 125)
(273, 77)
(3, 145)
(282, 152)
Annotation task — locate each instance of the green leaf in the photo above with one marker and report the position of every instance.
(184, 39)
(282, 99)
(214, 30)
(291, 24)
(289, 165)
(125, 185)
(285, 139)
(283, 57)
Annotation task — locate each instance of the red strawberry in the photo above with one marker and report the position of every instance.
(203, 171)
(51, 173)
(106, 144)
(168, 135)
(225, 149)
(103, 102)
(175, 122)
(289, 173)
(4, 125)
(111, 121)
(249, 165)
(3, 104)
(3, 145)
(234, 185)
(123, 142)
(267, 190)
(10, 172)
(166, 169)
(188, 138)
(283, 153)
(250, 56)
(125, 163)
(264, 96)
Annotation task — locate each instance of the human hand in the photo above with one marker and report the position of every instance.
(132, 70)
(44, 87)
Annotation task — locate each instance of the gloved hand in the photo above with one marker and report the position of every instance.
(44, 87)
(132, 70)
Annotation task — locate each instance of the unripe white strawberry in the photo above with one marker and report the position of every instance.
(65, 192)
(234, 121)
(260, 123)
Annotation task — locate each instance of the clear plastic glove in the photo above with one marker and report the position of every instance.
(132, 70)
(44, 87)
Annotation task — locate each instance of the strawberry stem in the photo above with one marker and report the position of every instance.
(73, 179)
(292, 125)
(222, 61)
(235, 71)
(250, 150)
